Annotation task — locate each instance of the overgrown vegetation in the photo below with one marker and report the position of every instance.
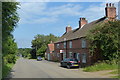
(9, 22)
(101, 66)
(7, 68)
(104, 39)
(41, 41)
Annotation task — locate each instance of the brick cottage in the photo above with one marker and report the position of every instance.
(73, 43)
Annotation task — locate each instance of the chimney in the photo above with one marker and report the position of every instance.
(82, 22)
(68, 28)
(110, 11)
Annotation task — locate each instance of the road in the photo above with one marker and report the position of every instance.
(29, 68)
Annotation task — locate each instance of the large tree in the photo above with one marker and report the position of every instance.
(40, 42)
(10, 19)
(104, 38)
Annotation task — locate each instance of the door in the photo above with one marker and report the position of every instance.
(61, 56)
(75, 55)
(64, 55)
(48, 56)
(78, 56)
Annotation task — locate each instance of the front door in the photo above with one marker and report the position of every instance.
(61, 56)
(75, 55)
(48, 56)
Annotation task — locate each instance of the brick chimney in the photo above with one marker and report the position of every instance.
(82, 22)
(110, 11)
(68, 28)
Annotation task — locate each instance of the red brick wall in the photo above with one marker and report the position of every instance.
(76, 48)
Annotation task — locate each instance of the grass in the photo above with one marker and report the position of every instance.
(103, 66)
(115, 72)
(100, 66)
(6, 69)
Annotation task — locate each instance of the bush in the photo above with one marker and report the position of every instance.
(10, 58)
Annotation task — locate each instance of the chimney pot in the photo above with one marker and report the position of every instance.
(106, 4)
(110, 5)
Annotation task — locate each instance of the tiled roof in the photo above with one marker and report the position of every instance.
(79, 32)
(51, 47)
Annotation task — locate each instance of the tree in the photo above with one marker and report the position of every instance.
(40, 43)
(104, 38)
(10, 19)
(25, 52)
(9, 22)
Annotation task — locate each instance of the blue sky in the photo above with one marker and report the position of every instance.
(52, 17)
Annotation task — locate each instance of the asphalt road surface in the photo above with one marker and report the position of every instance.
(29, 68)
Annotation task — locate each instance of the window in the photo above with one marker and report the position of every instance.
(78, 56)
(70, 44)
(58, 45)
(70, 55)
(83, 43)
(64, 44)
(84, 58)
(64, 55)
(58, 55)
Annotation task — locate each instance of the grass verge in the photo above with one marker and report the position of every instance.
(103, 66)
(6, 69)
(100, 66)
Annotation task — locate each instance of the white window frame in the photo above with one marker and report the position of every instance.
(70, 55)
(64, 44)
(84, 57)
(64, 55)
(70, 44)
(78, 56)
(83, 43)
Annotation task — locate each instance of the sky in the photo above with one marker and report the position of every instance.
(52, 17)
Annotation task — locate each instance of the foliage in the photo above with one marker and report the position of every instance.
(10, 19)
(40, 43)
(6, 69)
(25, 52)
(9, 22)
(101, 66)
(104, 37)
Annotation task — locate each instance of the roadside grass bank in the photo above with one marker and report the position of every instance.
(6, 69)
(103, 66)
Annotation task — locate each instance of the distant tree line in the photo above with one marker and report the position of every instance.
(24, 52)
(40, 43)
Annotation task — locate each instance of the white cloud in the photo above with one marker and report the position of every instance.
(67, 0)
(41, 13)
(38, 13)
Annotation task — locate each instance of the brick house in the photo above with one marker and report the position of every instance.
(49, 54)
(73, 44)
